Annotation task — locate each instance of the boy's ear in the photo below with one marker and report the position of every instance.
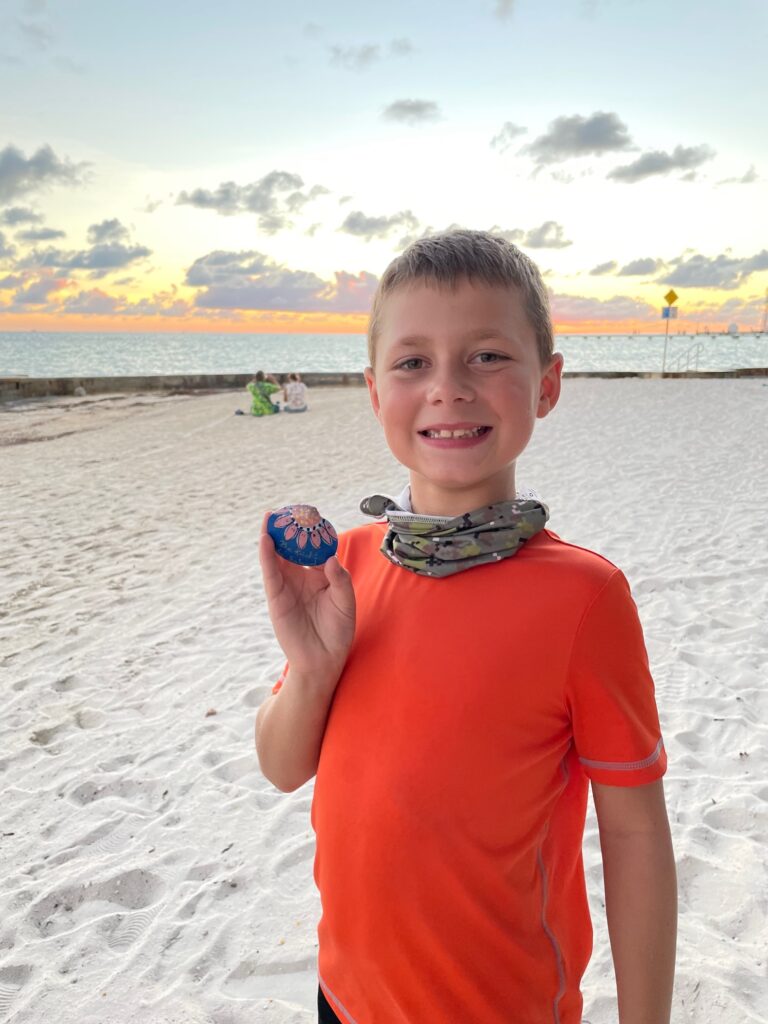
(373, 393)
(549, 392)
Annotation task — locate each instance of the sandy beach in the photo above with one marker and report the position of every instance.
(151, 875)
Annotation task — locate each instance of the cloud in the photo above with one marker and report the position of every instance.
(92, 302)
(6, 249)
(509, 131)
(251, 280)
(107, 231)
(722, 271)
(19, 175)
(748, 178)
(69, 66)
(604, 268)
(504, 8)
(273, 198)
(95, 302)
(37, 292)
(349, 293)
(579, 136)
(401, 47)
(100, 259)
(39, 235)
(640, 267)
(619, 307)
(360, 58)
(20, 215)
(355, 58)
(548, 236)
(412, 111)
(362, 226)
(40, 36)
(682, 158)
(8, 282)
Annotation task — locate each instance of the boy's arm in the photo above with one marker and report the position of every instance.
(640, 897)
(313, 615)
(289, 730)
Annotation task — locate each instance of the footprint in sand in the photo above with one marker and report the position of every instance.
(43, 737)
(12, 980)
(737, 818)
(141, 791)
(106, 838)
(70, 906)
(690, 740)
(65, 684)
(237, 767)
(122, 930)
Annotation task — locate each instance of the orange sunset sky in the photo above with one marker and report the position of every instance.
(256, 172)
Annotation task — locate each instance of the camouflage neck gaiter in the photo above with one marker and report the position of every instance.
(443, 545)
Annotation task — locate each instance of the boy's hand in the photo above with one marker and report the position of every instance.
(312, 611)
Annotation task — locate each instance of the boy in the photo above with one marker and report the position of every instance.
(456, 678)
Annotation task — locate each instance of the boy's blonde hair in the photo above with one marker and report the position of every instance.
(477, 256)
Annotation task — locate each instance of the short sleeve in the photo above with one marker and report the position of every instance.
(611, 694)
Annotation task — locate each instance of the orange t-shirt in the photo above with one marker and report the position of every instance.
(451, 790)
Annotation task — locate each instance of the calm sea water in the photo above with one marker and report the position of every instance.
(64, 354)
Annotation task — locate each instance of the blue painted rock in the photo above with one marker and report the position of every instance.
(301, 535)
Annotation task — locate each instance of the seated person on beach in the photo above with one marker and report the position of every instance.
(295, 394)
(457, 678)
(261, 387)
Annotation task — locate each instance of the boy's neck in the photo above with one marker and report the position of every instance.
(427, 499)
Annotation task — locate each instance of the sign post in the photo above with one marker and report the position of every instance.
(668, 312)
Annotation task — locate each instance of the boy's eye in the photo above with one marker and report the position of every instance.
(414, 363)
(489, 357)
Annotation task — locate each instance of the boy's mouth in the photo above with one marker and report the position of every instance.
(454, 433)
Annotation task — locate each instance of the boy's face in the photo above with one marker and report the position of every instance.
(457, 386)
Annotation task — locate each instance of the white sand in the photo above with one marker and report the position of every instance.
(150, 874)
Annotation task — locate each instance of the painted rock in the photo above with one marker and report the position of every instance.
(302, 535)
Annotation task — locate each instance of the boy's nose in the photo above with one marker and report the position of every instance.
(450, 386)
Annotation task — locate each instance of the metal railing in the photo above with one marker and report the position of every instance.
(691, 355)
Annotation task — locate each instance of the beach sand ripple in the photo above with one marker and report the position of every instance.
(151, 875)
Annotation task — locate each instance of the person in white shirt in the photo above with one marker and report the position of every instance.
(295, 394)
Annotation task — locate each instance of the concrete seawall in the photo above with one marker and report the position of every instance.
(14, 389)
(20, 388)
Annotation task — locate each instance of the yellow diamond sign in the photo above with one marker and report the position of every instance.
(671, 296)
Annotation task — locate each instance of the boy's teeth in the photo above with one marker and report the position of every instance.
(454, 433)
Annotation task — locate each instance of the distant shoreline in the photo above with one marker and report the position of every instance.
(20, 388)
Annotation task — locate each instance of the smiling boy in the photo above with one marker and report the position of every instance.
(458, 678)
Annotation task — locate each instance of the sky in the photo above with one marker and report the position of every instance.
(246, 166)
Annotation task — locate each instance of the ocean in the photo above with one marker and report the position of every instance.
(68, 354)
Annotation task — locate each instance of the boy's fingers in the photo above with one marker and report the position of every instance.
(270, 570)
(341, 584)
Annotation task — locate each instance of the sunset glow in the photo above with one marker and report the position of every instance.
(268, 194)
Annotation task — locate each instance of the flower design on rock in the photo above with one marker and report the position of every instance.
(302, 535)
